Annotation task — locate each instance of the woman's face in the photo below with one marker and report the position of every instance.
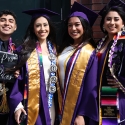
(41, 28)
(113, 23)
(75, 29)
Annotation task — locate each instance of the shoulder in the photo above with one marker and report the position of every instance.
(88, 48)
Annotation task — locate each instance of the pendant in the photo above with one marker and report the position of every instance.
(53, 79)
(52, 56)
(52, 89)
(53, 68)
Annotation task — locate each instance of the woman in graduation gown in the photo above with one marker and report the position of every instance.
(77, 61)
(111, 74)
(31, 99)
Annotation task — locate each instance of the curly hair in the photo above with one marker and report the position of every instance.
(8, 12)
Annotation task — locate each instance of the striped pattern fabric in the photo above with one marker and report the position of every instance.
(109, 106)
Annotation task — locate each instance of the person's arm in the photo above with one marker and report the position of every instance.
(19, 109)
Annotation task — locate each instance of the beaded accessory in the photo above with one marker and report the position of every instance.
(111, 65)
(53, 69)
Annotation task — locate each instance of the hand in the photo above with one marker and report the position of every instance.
(18, 113)
(113, 83)
(17, 73)
(79, 120)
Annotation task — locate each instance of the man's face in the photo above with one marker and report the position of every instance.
(7, 25)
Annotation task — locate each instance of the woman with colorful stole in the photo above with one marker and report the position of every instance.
(77, 64)
(111, 70)
(33, 95)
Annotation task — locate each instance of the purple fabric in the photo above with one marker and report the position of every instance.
(87, 101)
(121, 78)
(40, 12)
(109, 121)
(17, 96)
(80, 14)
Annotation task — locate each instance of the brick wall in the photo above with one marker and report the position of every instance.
(95, 5)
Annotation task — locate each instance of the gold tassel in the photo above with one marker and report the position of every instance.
(3, 104)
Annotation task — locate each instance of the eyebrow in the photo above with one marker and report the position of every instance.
(5, 18)
(111, 17)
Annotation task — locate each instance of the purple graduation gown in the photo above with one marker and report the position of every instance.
(121, 78)
(16, 97)
(87, 100)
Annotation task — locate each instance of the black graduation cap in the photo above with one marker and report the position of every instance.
(84, 12)
(40, 12)
(112, 3)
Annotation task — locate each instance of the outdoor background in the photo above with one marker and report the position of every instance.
(60, 6)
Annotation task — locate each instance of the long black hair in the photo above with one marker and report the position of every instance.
(30, 40)
(67, 40)
(117, 9)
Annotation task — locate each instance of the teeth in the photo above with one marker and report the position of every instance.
(74, 33)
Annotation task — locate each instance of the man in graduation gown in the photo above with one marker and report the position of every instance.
(7, 27)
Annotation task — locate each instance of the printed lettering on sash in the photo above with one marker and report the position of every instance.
(53, 68)
(7, 60)
(53, 79)
(52, 89)
(109, 111)
(52, 56)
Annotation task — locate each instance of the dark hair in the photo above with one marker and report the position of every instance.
(8, 12)
(119, 10)
(30, 40)
(87, 35)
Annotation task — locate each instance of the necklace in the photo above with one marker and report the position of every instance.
(53, 69)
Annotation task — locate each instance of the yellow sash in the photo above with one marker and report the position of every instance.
(75, 83)
(34, 88)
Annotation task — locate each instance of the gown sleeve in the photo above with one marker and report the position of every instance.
(87, 100)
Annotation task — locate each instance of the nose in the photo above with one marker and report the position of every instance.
(73, 27)
(112, 21)
(7, 22)
(42, 27)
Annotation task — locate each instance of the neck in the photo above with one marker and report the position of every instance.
(4, 38)
(110, 36)
(42, 41)
(77, 42)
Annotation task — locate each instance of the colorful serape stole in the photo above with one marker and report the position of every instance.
(109, 106)
(25, 98)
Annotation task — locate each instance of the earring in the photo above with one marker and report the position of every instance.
(104, 29)
(123, 30)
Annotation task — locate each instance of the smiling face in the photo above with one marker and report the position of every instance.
(41, 28)
(75, 29)
(7, 25)
(113, 23)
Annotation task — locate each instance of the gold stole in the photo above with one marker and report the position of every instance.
(75, 83)
(34, 88)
